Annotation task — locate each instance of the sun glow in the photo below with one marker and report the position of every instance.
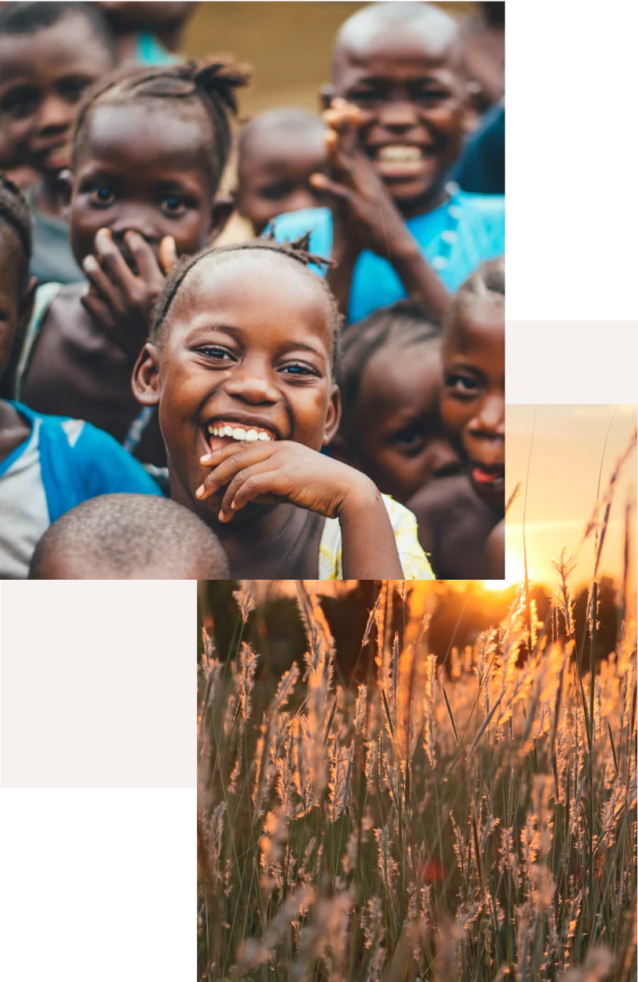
(514, 572)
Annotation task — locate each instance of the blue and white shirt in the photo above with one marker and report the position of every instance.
(61, 464)
(454, 238)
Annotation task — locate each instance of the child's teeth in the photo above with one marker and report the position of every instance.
(400, 154)
(239, 433)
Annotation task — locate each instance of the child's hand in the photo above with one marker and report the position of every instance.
(363, 208)
(366, 217)
(119, 299)
(283, 471)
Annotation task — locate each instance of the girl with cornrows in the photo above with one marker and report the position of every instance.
(241, 367)
(149, 150)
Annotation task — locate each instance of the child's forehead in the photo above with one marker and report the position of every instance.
(477, 325)
(72, 41)
(277, 145)
(380, 46)
(140, 130)
(257, 286)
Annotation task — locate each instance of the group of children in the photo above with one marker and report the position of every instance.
(324, 399)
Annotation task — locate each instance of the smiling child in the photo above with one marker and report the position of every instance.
(50, 54)
(149, 151)
(279, 151)
(241, 367)
(390, 383)
(398, 116)
(47, 464)
(456, 515)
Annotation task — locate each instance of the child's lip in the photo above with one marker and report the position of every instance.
(487, 474)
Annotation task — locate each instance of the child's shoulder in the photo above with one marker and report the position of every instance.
(79, 461)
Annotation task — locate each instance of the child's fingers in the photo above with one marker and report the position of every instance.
(98, 309)
(147, 265)
(250, 483)
(111, 259)
(101, 283)
(228, 461)
(167, 253)
(323, 183)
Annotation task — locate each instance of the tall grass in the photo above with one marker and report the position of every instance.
(472, 821)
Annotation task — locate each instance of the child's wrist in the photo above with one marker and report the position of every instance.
(359, 499)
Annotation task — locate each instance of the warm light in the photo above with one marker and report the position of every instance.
(514, 573)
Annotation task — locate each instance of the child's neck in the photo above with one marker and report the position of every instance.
(47, 195)
(275, 542)
(14, 430)
(421, 206)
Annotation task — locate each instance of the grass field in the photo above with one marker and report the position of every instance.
(466, 819)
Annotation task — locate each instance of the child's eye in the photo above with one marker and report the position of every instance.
(73, 87)
(409, 441)
(364, 97)
(300, 371)
(216, 352)
(431, 96)
(275, 192)
(20, 102)
(102, 196)
(463, 386)
(173, 205)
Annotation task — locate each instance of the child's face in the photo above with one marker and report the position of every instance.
(274, 173)
(412, 95)
(248, 347)
(395, 433)
(473, 400)
(139, 168)
(42, 79)
(144, 14)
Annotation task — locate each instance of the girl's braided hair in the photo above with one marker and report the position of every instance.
(296, 251)
(212, 83)
(488, 278)
(14, 212)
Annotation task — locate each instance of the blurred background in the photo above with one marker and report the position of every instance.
(287, 44)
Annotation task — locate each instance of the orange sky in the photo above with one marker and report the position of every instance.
(563, 479)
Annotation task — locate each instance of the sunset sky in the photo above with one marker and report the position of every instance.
(565, 462)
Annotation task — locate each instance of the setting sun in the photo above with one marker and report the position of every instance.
(514, 572)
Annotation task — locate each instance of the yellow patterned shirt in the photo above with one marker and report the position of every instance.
(412, 557)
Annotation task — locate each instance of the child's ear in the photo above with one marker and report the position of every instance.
(223, 207)
(333, 417)
(145, 380)
(65, 183)
(326, 95)
(26, 301)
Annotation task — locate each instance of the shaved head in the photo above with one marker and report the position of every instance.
(367, 30)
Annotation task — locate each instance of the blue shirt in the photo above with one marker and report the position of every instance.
(62, 463)
(455, 239)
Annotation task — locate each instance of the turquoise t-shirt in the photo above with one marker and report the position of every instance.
(150, 51)
(455, 239)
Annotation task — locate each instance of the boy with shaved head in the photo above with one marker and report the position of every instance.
(398, 112)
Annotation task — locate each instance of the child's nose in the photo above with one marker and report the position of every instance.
(54, 114)
(490, 419)
(252, 383)
(135, 219)
(398, 115)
